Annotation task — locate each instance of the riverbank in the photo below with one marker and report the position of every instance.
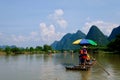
(26, 52)
(54, 52)
(2, 53)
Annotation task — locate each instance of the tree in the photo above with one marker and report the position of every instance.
(16, 50)
(115, 44)
(47, 47)
(31, 49)
(38, 48)
(0, 49)
(8, 50)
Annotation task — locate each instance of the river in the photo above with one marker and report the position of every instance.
(52, 67)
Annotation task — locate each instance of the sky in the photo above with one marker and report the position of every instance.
(31, 23)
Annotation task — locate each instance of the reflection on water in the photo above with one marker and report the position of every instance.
(52, 67)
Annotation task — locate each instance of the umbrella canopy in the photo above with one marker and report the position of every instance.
(84, 42)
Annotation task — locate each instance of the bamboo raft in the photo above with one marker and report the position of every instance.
(80, 67)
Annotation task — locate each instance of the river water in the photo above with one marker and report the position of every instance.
(52, 67)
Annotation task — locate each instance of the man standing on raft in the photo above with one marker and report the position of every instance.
(83, 57)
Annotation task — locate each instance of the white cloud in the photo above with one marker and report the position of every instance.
(34, 33)
(48, 33)
(6, 39)
(62, 23)
(33, 39)
(59, 12)
(105, 27)
(57, 17)
(19, 38)
(46, 30)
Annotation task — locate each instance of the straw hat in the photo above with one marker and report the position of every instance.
(84, 47)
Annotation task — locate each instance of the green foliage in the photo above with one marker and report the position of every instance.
(115, 44)
(28, 50)
(8, 50)
(16, 50)
(38, 48)
(31, 49)
(114, 33)
(0, 49)
(46, 48)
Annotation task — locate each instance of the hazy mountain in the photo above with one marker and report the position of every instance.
(4, 46)
(114, 33)
(66, 41)
(96, 35)
(53, 45)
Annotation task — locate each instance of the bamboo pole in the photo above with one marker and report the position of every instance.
(100, 65)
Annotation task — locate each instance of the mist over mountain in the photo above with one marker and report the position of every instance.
(4, 46)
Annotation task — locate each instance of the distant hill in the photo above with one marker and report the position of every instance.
(96, 35)
(114, 33)
(4, 46)
(93, 34)
(66, 42)
(53, 45)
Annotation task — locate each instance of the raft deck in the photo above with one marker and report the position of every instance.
(80, 67)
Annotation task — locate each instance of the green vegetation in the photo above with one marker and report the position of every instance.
(114, 45)
(46, 49)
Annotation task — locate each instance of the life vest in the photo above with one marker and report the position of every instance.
(82, 54)
(81, 51)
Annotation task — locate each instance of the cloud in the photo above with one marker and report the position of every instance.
(18, 38)
(105, 27)
(32, 39)
(48, 33)
(62, 23)
(57, 17)
(5, 39)
(34, 33)
(58, 12)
